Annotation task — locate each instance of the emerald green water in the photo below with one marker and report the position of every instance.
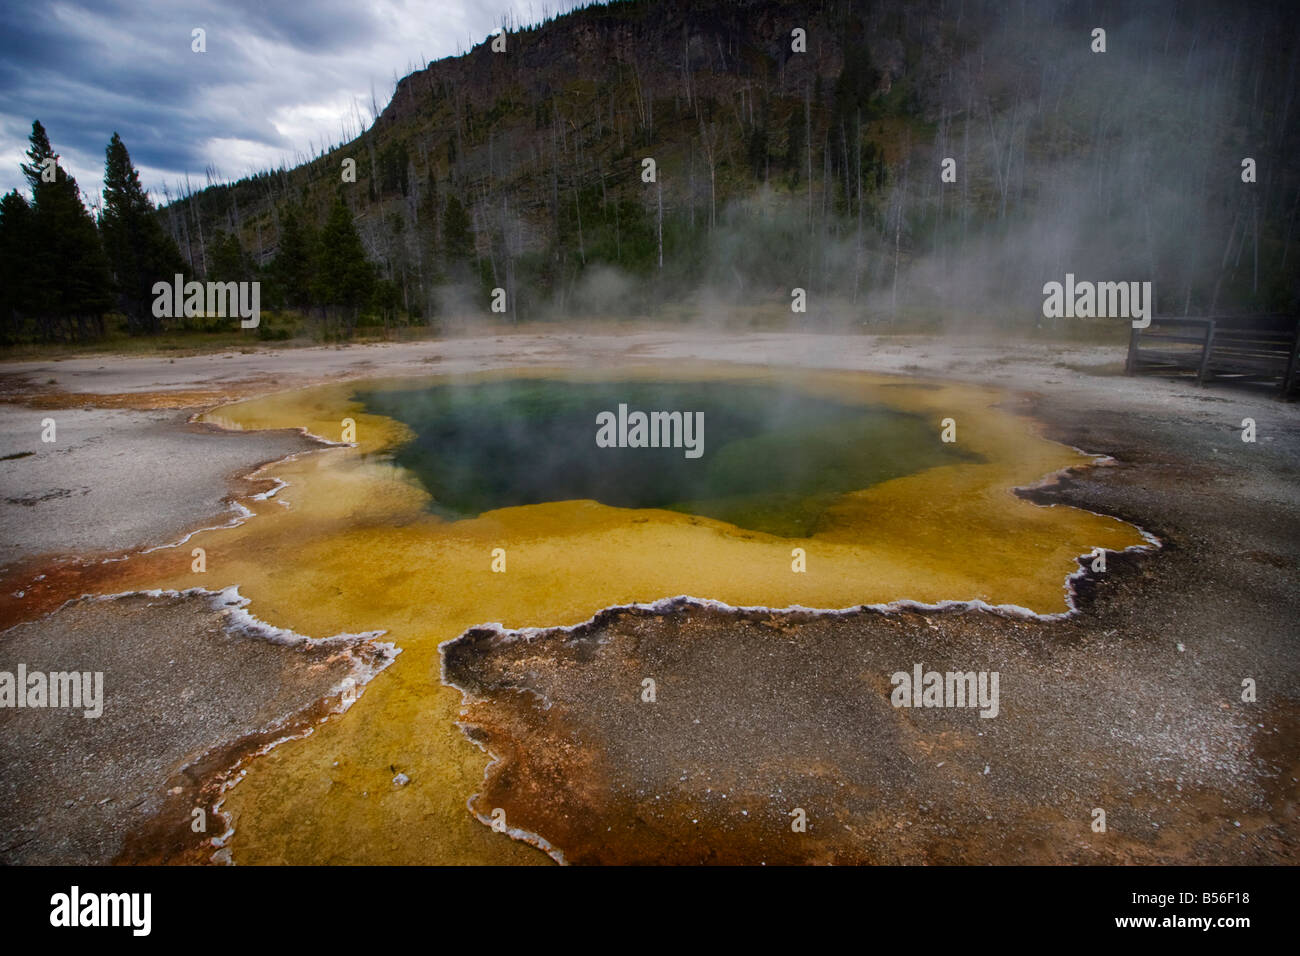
(774, 458)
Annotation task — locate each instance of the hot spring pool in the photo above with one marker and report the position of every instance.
(397, 532)
(765, 456)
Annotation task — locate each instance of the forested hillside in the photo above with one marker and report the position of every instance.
(793, 145)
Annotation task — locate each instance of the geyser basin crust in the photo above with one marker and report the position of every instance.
(759, 712)
(351, 545)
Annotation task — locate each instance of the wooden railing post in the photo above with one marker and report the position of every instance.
(1289, 376)
(1206, 349)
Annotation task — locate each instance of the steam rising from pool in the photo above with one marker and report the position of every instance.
(776, 457)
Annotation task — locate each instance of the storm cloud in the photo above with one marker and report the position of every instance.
(276, 80)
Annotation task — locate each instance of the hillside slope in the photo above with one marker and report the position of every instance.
(777, 169)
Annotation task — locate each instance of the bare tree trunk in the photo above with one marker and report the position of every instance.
(898, 230)
(659, 192)
(686, 66)
(198, 221)
(691, 175)
(577, 205)
(857, 258)
(1290, 224)
(807, 124)
(1254, 288)
(708, 139)
(640, 100)
(965, 167)
(1223, 266)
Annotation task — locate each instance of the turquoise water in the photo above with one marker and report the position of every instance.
(773, 457)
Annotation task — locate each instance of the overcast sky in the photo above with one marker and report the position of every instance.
(277, 75)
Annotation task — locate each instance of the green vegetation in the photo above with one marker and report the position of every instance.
(139, 252)
(774, 170)
(56, 277)
(67, 280)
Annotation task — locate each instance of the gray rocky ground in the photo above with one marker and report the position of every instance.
(1132, 706)
(116, 479)
(187, 692)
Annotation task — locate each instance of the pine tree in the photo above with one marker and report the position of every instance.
(344, 277)
(457, 240)
(15, 255)
(69, 287)
(291, 270)
(229, 261)
(139, 252)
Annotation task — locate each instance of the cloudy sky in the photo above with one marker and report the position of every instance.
(278, 75)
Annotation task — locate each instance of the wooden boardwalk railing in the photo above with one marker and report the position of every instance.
(1246, 348)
